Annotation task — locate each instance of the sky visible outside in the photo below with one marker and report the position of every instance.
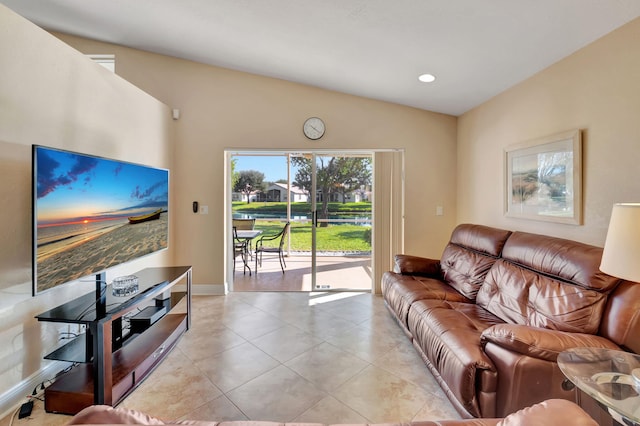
(273, 167)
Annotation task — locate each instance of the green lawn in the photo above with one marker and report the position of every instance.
(333, 238)
(340, 238)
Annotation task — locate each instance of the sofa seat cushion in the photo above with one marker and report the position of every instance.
(457, 276)
(400, 291)
(449, 336)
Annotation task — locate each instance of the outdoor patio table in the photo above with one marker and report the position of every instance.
(248, 235)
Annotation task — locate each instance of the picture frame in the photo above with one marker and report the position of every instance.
(544, 179)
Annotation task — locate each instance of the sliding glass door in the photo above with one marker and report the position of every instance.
(327, 199)
(341, 221)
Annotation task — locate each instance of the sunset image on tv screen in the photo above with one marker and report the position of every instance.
(93, 213)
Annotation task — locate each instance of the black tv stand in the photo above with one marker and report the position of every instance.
(112, 359)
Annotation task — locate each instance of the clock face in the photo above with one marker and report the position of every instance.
(313, 128)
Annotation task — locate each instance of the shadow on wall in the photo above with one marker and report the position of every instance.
(15, 224)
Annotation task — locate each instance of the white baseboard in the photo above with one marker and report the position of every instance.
(205, 289)
(17, 395)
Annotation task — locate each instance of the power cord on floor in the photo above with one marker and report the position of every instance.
(25, 409)
(13, 416)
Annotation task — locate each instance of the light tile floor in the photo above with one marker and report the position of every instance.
(303, 357)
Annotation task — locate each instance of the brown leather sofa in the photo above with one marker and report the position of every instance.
(548, 413)
(491, 316)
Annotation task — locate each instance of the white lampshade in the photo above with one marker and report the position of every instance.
(621, 256)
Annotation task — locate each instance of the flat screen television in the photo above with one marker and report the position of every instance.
(92, 213)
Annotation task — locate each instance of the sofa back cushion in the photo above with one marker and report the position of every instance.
(471, 252)
(547, 282)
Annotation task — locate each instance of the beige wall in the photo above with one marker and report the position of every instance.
(596, 90)
(52, 95)
(222, 109)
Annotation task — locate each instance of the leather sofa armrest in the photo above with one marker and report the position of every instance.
(540, 342)
(406, 264)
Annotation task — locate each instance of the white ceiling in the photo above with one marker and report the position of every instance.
(370, 48)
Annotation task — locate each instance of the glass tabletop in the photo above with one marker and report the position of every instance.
(248, 234)
(605, 375)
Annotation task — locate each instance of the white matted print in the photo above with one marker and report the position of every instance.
(544, 179)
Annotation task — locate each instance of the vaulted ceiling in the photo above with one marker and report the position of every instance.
(371, 48)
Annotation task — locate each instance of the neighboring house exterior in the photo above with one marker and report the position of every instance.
(356, 196)
(282, 192)
(276, 192)
(279, 192)
(240, 196)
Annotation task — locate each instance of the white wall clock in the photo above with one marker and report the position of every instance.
(313, 128)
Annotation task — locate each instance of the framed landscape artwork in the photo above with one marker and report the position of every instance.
(544, 179)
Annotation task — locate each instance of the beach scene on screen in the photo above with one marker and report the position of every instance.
(94, 213)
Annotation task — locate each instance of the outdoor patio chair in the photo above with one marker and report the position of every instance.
(260, 248)
(245, 225)
(240, 248)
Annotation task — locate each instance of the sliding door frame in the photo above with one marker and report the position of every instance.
(387, 208)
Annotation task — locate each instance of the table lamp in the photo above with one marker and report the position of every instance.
(621, 255)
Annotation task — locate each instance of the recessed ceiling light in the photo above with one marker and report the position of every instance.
(427, 78)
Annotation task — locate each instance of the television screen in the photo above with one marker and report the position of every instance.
(92, 213)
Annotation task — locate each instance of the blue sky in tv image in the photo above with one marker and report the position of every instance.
(74, 188)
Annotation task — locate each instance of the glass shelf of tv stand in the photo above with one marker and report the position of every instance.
(153, 282)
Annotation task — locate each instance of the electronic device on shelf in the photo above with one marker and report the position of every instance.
(146, 318)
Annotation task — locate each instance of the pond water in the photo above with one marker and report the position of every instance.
(362, 219)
